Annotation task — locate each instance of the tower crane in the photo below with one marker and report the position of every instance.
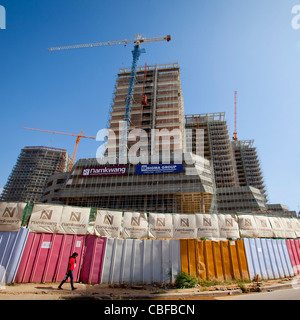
(78, 137)
(136, 52)
(235, 133)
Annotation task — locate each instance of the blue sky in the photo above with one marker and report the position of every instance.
(220, 45)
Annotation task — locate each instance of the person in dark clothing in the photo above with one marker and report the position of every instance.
(69, 273)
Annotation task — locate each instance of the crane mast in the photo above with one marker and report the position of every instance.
(136, 52)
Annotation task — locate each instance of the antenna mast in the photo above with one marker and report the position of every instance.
(235, 133)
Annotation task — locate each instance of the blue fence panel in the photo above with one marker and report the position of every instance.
(274, 266)
(11, 249)
(286, 258)
(254, 258)
(249, 258)
(269, 258)
(262, 258)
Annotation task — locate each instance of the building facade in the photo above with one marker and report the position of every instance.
(29, 176)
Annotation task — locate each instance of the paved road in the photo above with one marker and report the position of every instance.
(284, 294)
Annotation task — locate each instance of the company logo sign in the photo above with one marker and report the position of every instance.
(104, 171)
(184, 222)
(263, 223)
(46, 214)
(228, 222)
(207, 222)
(108, 219)
(9, 212)
(248, 222)
(136, 221)
(160, 222)
(158, 168)
(75, 216)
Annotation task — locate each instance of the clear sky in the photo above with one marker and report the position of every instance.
(220, 45)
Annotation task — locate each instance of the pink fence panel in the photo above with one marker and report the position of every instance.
(293, 246)
(92, 264)
(45, 257)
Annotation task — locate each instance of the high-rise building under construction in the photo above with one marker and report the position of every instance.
(157, 104)
(223, 181)
(154, 186)
(238, 177)
(29, 176)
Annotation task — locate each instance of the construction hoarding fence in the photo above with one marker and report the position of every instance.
(12, 245)
(108, 223)
(92, 265)
(58, 219)
(46, 256)
(268, 258)
(11, 214)
(293, 246)
(214, 260)
(141, 261)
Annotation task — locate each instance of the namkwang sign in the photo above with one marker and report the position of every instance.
(104, 171)
(158, 168)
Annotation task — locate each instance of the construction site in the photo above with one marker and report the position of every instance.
(148, 107)
(172, 196)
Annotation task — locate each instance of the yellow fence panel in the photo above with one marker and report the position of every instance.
(214, 260)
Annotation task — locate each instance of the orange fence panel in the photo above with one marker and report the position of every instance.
(214, 260)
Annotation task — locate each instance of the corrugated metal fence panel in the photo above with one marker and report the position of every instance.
(141, 261)
(294, 252)
(268, 258)
(11, 249)
(286, 260)
(214, 260)
(92, 264)
(45, 258)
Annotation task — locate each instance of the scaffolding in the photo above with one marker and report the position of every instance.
(163, 193)
(217, 147)
(238, 177)
(164, 109)
(29, 176)
(248, 165)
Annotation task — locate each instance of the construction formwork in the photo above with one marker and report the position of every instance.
(29, 176)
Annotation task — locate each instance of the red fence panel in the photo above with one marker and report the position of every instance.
(45, 257)
(293, 246)
(92, 264)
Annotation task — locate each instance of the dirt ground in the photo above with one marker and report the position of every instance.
(49, 291)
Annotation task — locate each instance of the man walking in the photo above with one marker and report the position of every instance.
(69, 273)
